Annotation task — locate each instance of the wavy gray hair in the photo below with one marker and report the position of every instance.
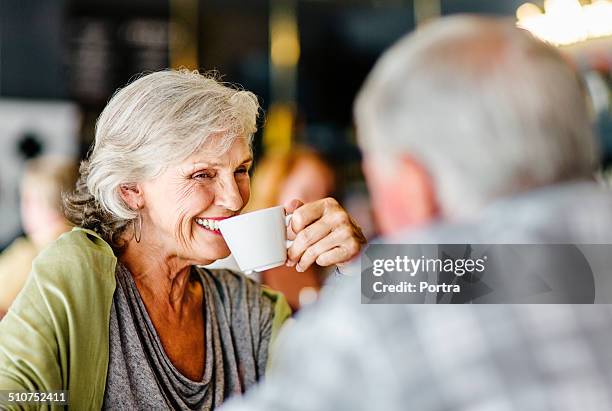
(485, 107)
(158, 120)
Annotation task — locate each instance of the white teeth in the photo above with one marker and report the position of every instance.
(210, 224)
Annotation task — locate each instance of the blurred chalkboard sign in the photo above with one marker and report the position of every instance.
(81, 49)
(112, 41)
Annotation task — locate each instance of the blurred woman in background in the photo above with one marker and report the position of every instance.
(280, 177)
(42, 218)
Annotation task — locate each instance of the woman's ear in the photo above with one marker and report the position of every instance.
(132, 195)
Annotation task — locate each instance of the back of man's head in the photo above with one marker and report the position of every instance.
(484, 107)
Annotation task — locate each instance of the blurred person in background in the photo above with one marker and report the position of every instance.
(118, 311)
(278, 179)
(473, 131)
(44, 180)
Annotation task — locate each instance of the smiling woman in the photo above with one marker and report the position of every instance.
(162, 123)
(119, 311)
(186, 200)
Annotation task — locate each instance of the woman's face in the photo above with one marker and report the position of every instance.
(183, 205)
(308, 181)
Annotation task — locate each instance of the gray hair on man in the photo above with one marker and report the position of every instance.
(158, 120)
(485, 115)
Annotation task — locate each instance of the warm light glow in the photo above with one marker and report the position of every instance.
(278, 131)
(567, 21)
(599, 18)
(527, 10)
(285, 44)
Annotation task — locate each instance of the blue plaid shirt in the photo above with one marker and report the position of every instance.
(342, 355)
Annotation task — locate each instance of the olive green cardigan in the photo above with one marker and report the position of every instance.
(56, 334)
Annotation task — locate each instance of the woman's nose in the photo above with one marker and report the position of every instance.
(228, 194)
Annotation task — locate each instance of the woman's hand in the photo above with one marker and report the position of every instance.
(322, 232)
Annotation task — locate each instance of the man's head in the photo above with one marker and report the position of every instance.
(466, 110)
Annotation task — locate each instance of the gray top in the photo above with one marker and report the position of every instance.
(238, 330)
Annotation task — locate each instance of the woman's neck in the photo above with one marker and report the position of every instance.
(161, 277)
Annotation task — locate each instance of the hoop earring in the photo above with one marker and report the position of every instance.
(137, 232)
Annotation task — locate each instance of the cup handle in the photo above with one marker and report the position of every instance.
(287, 221)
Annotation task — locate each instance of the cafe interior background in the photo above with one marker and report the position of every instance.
(61, 60)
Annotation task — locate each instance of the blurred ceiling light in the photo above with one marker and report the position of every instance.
(278, 130)
(527, 10)
(566, 21)
(285, 44)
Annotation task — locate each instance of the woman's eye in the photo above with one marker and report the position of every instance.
(203, 175)
(242, 170)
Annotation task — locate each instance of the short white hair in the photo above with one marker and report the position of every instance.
(158, 120)
(485, 107)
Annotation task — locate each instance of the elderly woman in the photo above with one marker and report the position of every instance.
(118, 311)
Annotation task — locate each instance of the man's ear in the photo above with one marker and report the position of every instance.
(402, 193)
(132, 195)
(419, 188)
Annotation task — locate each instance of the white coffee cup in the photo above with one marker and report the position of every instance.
(257, 240)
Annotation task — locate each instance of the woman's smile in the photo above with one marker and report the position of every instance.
(210, 224)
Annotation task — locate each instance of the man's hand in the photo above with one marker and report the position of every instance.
(322, 232)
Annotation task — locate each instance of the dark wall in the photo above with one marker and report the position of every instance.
(339, 45)
(234, 41)
(32, 52)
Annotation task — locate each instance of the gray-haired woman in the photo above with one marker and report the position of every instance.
(117, 311)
